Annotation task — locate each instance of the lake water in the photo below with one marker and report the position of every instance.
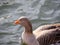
(39, 12)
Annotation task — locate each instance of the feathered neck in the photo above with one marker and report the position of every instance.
(28, 28)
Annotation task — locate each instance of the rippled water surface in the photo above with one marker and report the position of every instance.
(38, 11)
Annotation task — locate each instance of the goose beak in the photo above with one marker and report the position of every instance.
(17, 22)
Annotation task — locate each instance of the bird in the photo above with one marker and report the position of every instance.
(43, 35)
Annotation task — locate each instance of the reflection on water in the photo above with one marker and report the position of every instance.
(38, 11)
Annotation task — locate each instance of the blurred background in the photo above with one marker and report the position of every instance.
(39, 12)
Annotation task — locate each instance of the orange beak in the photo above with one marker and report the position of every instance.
(17, 22)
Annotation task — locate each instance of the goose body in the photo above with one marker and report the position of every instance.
(48, 34)
(43, 35)
(29, 39)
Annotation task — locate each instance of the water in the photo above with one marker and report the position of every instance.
(38, 11)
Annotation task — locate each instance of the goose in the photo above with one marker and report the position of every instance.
(43, 35)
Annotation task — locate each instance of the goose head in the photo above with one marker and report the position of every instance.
(23, 21)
